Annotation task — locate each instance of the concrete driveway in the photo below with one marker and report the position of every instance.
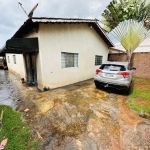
(80, 117)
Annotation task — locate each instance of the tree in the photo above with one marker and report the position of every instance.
(130, 33)
(128, 21)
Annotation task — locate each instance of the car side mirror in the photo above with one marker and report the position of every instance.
(133, 68)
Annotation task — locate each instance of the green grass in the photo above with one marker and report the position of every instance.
(16, 131)
(132, 104)
(142, 80)
(142, 93)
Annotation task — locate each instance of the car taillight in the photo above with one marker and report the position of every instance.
(125, 74)
(98, 71)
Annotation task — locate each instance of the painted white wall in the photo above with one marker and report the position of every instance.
(19, 67)
(72, 38)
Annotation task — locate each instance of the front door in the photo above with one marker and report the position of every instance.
(30, 59)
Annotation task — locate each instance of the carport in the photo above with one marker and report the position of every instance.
(20, 45)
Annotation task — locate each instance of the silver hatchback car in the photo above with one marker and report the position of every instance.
(115, 75)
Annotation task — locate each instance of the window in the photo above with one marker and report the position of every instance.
(69, 60)
(113, 67)
(14, 58)
(8, 59)
(98, 60)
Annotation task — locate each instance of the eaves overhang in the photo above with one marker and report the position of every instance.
(32, 24)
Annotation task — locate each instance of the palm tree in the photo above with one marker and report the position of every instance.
(128, 21)
(130, 33)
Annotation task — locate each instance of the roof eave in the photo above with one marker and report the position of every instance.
(34, 22)
(105, 37)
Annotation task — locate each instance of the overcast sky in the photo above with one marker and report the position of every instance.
(12, 16)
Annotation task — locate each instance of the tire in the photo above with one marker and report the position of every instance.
(97, 86)
(128, 90)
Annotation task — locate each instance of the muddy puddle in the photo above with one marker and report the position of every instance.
(9, 91)
(76, 117)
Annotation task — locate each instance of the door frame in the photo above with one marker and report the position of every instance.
(30, 65)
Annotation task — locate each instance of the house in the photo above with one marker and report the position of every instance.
(142, 48)
(54, 52)
(113, 50)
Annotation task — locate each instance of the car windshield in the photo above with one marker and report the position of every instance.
(112, 67)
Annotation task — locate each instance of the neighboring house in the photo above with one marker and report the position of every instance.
(113, 50)
(143, 47)
(54, 52)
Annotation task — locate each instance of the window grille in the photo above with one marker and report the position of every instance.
(98, 60)
(69, 60)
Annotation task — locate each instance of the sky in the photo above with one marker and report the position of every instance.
(12, 15)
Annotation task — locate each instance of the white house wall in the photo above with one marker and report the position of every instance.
(72, 38)
(18, 67)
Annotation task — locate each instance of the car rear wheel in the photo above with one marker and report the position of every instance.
(128, 90)
(97, 86)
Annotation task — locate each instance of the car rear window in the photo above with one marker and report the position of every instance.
(112, 67)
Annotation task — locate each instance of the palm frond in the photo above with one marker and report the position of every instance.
(121, 10)
(130, 33)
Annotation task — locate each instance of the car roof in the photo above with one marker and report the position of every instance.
(117, 63)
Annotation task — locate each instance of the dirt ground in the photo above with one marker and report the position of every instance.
(81, 117)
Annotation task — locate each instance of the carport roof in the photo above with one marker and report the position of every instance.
(33, 23)
(20, 45)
